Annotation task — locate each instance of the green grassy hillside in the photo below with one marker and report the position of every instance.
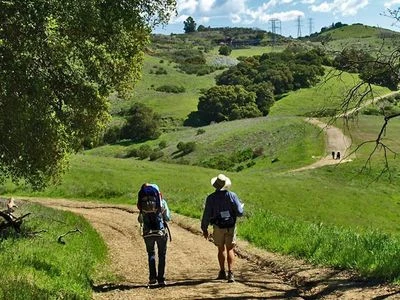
(324, 98)
(290, 140)
(162, 102)
(361, 36)
(334, 208)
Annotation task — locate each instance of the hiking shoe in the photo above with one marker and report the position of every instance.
(221, 275)
(231, 278)
(152, 281)
(162, 283)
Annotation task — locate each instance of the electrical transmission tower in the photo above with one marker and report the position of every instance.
(275, 28)
(298, 26)
(310, 25)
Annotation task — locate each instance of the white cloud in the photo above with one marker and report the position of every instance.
(235, 18)
(343, 7)
(179, 19)
(282, 16)
(307, 1)
(391, 3)
(238, 11)
(204, 20)
(206, 5)
(323, 7)
(187, 6)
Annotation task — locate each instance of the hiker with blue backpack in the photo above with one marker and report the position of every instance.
(221, 210)
(153, 217)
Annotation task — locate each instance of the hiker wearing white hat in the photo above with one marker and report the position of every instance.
(221, 209)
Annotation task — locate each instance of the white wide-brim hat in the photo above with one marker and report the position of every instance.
(221, 182)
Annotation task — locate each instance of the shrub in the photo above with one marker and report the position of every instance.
(162, 144)
(225, 50)
(250, 164)
(242, 155)
(132, 153)
(186, 148)
(142, 123)
(196, 69)
(239, 168)
(156, 154)
(144, 151)
(220, 162)
(161, 71)
(200, 131)
(171, 89)
(112, 135)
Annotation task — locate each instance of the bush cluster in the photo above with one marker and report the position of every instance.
(186, 148)
(199, 70)
(159, 71)
(170, 88)
(237, 161)
(144, 152)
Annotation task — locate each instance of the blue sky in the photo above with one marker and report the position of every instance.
(313, 14)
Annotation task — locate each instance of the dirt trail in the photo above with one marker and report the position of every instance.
(335, 141)
(192, 265)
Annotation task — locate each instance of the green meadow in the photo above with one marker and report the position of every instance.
(162, 102)
(344, 216)
(37, 266)
(372, 39)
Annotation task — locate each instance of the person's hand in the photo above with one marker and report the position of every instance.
(205, 234)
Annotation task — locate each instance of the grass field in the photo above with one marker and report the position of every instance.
(325, 96)
(372, 39)
(290, 139)
(162, 102)
(344, 216)
(38, 267)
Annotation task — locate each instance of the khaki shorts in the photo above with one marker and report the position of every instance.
(224, 236)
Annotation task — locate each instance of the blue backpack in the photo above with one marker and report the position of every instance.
(149, 205)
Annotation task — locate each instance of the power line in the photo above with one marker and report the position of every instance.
(298, 26)
(310, 25)
(275, 28)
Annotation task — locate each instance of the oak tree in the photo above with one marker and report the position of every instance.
(59, 61)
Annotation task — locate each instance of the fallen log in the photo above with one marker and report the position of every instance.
(11, 221)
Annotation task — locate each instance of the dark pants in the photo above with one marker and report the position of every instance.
(162, 250)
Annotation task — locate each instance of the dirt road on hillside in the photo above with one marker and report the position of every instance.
(335, 141)
(192, 265)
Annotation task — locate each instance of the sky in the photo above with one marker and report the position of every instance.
(292, 17)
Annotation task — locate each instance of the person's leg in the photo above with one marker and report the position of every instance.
(230, 256)
(221, 257)
(162, 251)
(230, 245)
(150, 241)
(219, 241)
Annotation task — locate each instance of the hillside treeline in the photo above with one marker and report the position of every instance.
(250, 88)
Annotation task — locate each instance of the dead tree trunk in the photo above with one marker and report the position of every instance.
(9, 220)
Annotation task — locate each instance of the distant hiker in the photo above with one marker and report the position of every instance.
(333, 154)
(154, 215)
(338, 155)
(221, 209)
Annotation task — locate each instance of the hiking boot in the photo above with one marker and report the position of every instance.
(221, 275)
(231, 278)
(152, 281)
